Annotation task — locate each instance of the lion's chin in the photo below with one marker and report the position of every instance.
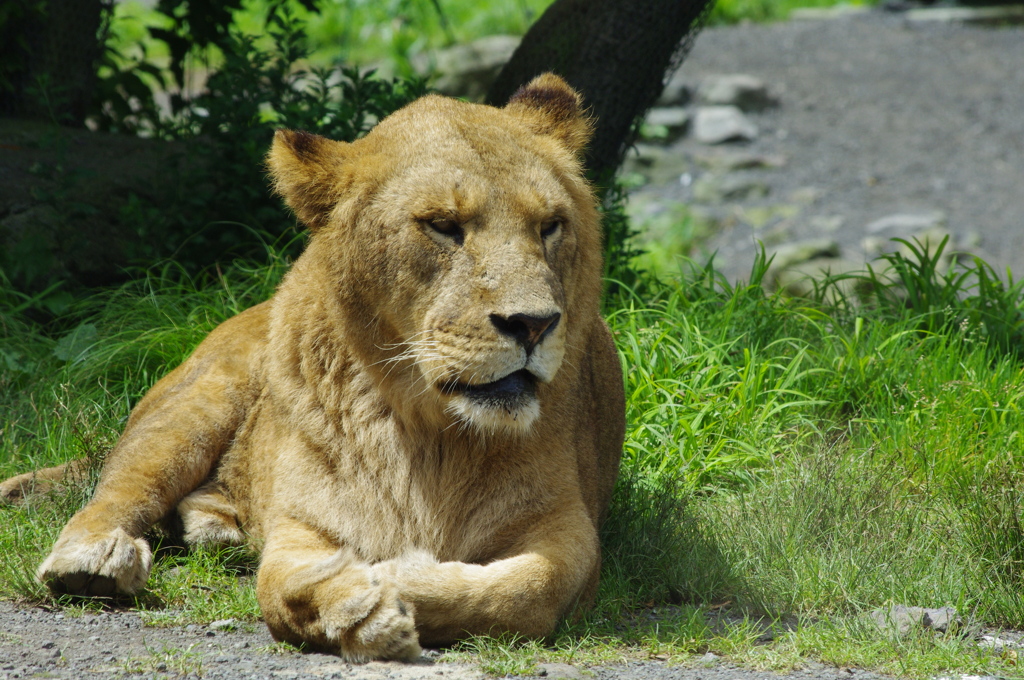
(508, 404)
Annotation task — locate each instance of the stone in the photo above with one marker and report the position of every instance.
(901, 224)
(927, 240)
(468, 70)
(674, 119)
(727, 160)
(969, 15)
(901, 619)
(556, 671)
(805, 195)
(718, 189)
(827, 223)
(803, 251)
(942, 619)
(997, 644)
(827, 13)
(760, 216)
(656, 163)
(745, 92)
(675, 93)
(224, 624)
(803, 279)
(718, 124)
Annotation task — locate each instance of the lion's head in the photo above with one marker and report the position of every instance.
(455, 250)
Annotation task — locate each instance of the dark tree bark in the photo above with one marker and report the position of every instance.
(48, 55)
(617, 53)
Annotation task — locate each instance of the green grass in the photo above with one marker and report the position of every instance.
(789, 464)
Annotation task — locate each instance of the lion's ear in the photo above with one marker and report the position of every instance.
(304, 168)
(553, 108)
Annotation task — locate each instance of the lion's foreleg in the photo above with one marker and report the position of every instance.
(312, 591)
(172, 441)
(525, 594)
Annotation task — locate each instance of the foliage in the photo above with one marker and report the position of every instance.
(221, 196)
(970, 300)
(620, 250)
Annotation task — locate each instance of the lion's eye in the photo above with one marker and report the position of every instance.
(446, 227)
(550, 228)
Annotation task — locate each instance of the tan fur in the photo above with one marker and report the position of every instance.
(342, 424)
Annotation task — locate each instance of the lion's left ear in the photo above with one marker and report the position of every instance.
(553, 108)
(304, 168)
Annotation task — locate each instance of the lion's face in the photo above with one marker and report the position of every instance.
(464, 241)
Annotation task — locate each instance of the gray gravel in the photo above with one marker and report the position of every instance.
(877, 116)
(38, 643)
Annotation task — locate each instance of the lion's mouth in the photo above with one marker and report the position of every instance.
(509, 392)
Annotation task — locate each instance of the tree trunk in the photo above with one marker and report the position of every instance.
(48, 54)
(617, 53)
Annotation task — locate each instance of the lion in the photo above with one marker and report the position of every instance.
(420, 431)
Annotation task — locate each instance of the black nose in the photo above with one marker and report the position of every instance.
(528, 330)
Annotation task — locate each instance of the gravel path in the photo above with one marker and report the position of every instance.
(38, 643)
(877, 116)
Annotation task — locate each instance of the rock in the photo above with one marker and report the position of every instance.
(468, 70)
(760, 216)
(941, 619)
(927, 241)
(717, 124)
(902, 224)
(997, 644)
(676, 92)
(674, 119)
(556, 671)
(970, 15)
(727, 160)
(901, 619)
(803, 251)
(746, 93)
(224, 624)
(827, 223)
(803, 279)
(825, 13)
(805, 195)
(718, 189)
(656, 163)
(646, 155)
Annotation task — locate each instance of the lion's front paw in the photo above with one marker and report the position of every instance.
(97, 564)
(375, 625)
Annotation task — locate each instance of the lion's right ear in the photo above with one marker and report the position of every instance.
(304, 168)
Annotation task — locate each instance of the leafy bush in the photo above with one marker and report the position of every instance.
(221, 195)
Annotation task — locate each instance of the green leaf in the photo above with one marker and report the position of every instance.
(75, 345)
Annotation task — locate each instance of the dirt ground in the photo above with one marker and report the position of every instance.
(877, 115)
(37, 643)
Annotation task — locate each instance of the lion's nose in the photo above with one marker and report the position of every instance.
(526, 329)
